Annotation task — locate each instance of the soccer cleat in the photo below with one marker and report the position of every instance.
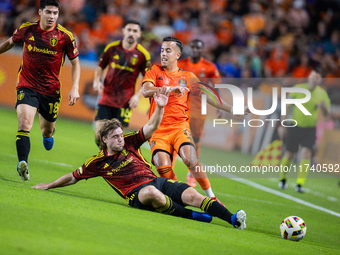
(238, 219)
(22, 170)
(283, 184)
(48, 142)
(199, 216)
(191, 181)
(299, 188)
(215, 199)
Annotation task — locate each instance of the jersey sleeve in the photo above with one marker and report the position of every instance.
(147, 59)
(327, 99)
(70, 46)
(135, 138)
(150, 76)
(19, 34)
(88, 169)
(104, 59)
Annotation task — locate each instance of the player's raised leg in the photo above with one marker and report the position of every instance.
(47, 130)
(162, 161)
(189, 157)
(25, 114)
(191, 197)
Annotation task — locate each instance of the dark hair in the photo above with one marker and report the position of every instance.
(131, 21)
(197, 41)
(173, 39)
(316, 66)
(44, 3)
(109, 125)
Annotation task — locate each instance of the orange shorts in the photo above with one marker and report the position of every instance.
(170, 141)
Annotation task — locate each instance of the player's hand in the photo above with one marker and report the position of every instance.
(40, 186)
(133, 102)
(161, 97)
(73, 96)
(98, 86)
(179, 89)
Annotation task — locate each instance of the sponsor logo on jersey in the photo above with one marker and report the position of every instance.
(118, 66)
(122, 165)
(45, 51)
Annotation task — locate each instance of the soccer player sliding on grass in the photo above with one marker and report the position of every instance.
(123, 167)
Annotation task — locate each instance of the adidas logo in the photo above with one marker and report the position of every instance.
(31, 38)
(160, 78)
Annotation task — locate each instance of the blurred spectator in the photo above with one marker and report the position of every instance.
(254, 21)
(163, 28)
(302, 69)
(297, 16)
(277, 64)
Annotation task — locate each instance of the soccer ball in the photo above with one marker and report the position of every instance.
(293, 228)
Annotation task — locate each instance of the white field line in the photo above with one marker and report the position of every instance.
(232, 177)
(39, 160)
(269, 190)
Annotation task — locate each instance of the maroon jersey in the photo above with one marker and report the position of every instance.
(43, 57)
(124, 171)
(124, 67)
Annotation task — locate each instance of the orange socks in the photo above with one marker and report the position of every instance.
(166, 172)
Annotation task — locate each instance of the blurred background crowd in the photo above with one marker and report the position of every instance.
(245, 39)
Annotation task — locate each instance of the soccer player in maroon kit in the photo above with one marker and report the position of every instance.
(123, 167)
(125, 60)
(38, 89)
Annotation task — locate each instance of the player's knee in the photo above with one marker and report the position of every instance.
(47, 132)
(150, 193)
(191, 197)
(25, 124)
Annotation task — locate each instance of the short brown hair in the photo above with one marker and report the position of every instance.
(109, 125)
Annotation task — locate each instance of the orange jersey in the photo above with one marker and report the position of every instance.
(204, 70)
(176, 113)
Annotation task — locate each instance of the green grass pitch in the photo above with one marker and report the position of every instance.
(90, 218)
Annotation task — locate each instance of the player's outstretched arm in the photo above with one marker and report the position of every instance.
(6, 45)
(225, 106)
(149, 89)
(73, 96)
(65, 180)
(161, 99)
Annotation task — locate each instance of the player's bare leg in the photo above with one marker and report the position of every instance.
(47, 130)
(189, 157)
(25, 114)
(163, 165)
